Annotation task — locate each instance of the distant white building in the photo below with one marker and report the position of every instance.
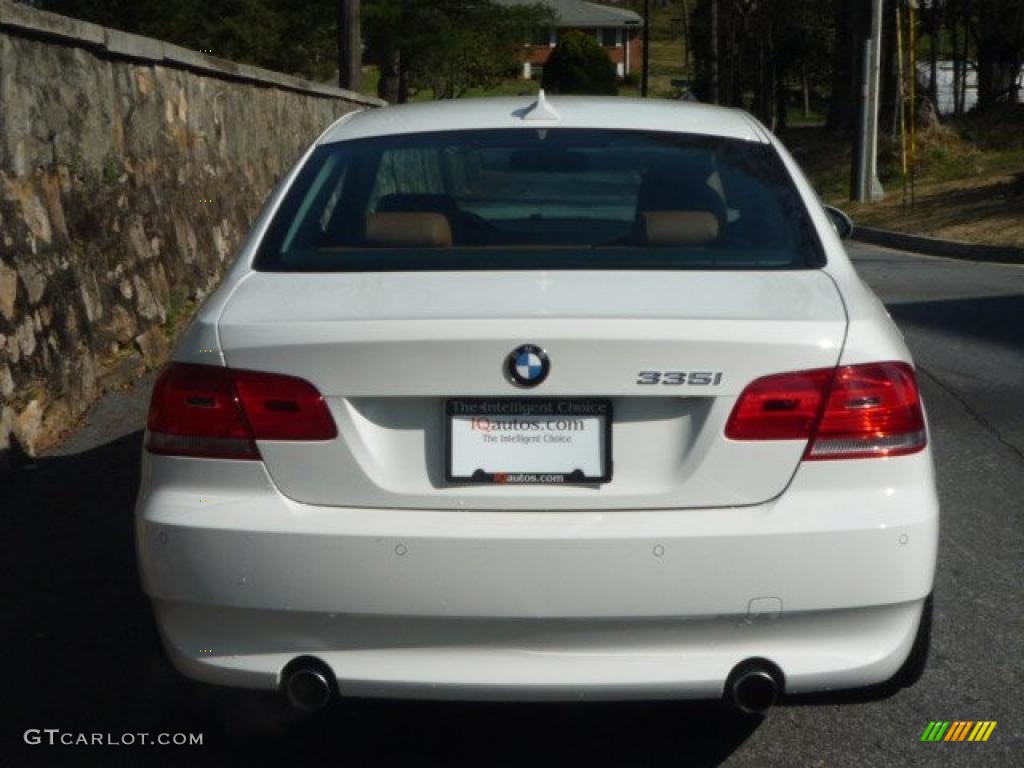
(944, 86)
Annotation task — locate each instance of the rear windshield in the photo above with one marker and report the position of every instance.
(550, 198)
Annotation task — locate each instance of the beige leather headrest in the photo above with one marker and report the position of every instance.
(408, 230)
(680, 227)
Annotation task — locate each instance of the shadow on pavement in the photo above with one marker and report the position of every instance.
(84, 657)
(998, 319)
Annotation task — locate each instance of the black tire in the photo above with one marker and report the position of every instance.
(913, 668)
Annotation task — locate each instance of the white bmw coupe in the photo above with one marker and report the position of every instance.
(578, 398)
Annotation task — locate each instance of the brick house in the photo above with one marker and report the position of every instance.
(618, 30)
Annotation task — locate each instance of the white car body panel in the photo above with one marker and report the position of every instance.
(362, 340)
(396, 598)
(573, 112)
(700, 553)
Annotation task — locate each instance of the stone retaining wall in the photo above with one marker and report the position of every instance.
(129, 171)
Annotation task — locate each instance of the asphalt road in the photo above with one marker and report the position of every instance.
(81, 654)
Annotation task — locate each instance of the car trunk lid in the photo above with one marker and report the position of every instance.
(387, 350)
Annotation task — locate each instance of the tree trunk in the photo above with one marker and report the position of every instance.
(645, 71)
(350, 46)
(806, 88)
(390, 71)
(731, 66)
(965, 53)
(760, 86)
(852, 28)
(953, 20)
(687, 40)
(403, 83)
(934, 27)
(889, 110)
(1000, 46)
(715, 96)
(770, 90)
(996, 79)
(781, 119)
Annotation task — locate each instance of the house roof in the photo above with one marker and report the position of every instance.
(579, 13)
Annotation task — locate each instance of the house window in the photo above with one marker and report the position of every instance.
(608, 36)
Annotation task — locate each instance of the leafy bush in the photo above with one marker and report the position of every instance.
(579, 65)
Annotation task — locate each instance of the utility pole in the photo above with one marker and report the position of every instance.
(646, 66)
(867, 187)
(350, 46)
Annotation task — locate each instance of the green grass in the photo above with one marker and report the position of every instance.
(796, 118)
(668, 50)
(370, 79)
(112, 170)
(968, 183)
(180, 309)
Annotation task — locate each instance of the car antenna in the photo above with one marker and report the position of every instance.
(538, 110)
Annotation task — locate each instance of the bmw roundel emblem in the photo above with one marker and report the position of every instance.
(527, 365)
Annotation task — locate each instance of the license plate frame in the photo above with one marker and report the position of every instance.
(529, 408)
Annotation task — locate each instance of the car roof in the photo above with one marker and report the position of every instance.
(547, 112)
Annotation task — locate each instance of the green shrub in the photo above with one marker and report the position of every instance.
(579, 65)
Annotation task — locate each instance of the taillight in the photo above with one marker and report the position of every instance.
(213, 412)
(856, 411)
(283, 407)
(781, 407)
(872, 410)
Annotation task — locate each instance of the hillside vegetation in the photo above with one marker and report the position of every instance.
(969, 183)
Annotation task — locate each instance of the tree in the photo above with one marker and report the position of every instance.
(284, 35)
(753, 53)
(448, 47)
(579, 65)
(933, 13)
(384, 25)
(998, 31)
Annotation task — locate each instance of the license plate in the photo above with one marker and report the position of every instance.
(528, 441)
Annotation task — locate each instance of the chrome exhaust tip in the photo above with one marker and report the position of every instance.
(754, 686)
(308, 685)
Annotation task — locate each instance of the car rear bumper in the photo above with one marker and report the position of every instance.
(537, 659)
(827, 581)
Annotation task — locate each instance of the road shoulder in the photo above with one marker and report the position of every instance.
(933, 246)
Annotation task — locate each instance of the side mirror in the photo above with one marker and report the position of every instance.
(842, 223)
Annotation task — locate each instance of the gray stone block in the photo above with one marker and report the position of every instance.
(134, 46)
(130, 170)
(50, 24)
